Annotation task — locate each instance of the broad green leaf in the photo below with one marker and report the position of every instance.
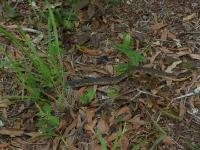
(113, 92)
(47, 108)
(88, 96)
(121, 68)
(53, 121)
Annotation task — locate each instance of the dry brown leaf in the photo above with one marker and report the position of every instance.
(2, 146)
(168, 140)
(5, 103)
(90, 115)
(12, 132)
(71, 126)
(152, 59)
(110, 69)
(172, 66)
(189, 17)
(179, 49)
(165, 50)
(97, 147)
(171, 35)
(103, 126)
(157, 26)
(182, 109)
(90, 52)
(111, 137)
(195, 56)
(124, 142)
(180, 54)
(56, 142)
(90, 126)
(164, 35)
(124, 111)
(137, 122)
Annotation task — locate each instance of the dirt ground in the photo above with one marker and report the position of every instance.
(165, 32)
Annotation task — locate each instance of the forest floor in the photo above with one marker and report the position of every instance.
(141, 112)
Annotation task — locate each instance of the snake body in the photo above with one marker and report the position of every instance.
(119, 78)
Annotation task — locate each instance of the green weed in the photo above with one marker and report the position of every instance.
(113, 92)
(36, 73)
(47, 123)
(116, 142)
(102, 141)
(87, 97)
(134, 57)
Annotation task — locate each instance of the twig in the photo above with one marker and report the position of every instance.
(194, 92)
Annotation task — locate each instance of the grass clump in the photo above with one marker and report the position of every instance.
(134, 57)
(37, 73)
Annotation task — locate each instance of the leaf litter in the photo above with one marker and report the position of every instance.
(156, 34)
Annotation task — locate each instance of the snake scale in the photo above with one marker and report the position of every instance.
(119, 78)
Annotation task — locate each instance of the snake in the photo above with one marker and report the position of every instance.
(119, 78)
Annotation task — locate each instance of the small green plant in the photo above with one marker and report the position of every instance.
(113, 92)
(116, 142)
(118, 137)
(66, 19)
(87, 97)
(47, 123)
(9, 11)
(36, 73)
(101, 139)
(134, 57)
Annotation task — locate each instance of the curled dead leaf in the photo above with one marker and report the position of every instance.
(89, 51)
(103, 126)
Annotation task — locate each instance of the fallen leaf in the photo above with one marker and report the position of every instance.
(97, 147)
(172, 66)
(124, 142)
(110, 69)
(189, 17)
(157, 26)
(137, 122)
(5, 103)
(12, 132)
(103, 126)
(182, 109)
(164, 35)
(152, 59)
(168, 140)
(111, 137)
(89, 51)
(3, 146)
(124, 112)
(171, 35)
(179, 49)
(90, 115)
(70, 127)
(195, 56)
